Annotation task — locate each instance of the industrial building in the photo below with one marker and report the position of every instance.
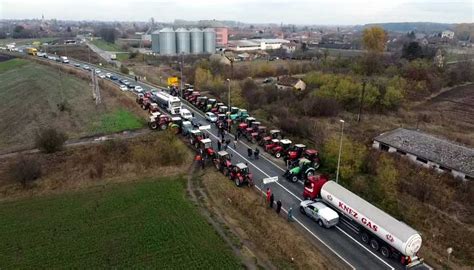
(429, 151)
(222, 34)
(183, 41)
(257, 44)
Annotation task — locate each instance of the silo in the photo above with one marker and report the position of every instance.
(183, 39)
(155, 41)
(167, 41)
(197, 41)
(209, 40)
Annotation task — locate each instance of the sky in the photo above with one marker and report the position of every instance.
(330, 12)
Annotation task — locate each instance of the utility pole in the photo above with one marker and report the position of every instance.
(228, 94)
(181, 79)
(359, 115)
(340, 150)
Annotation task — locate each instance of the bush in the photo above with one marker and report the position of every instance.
(124, 69)
(50, 140)
(25, 170)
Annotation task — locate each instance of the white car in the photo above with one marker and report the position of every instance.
(108, 75)
(102, 76)
(186, 114)
(138, 88)
(320, 212)
(211, 117)
(86, 67)
(97, 71)
(123, 87)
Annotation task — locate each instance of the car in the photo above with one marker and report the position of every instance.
(131, 86)
(113, 77)
(320, 212)
(77, 65)
(123, 87)
(126, 82)
(138, 88)
(97, 71)
(195, 122)
(211, 117)
(268, 80)
(86, 67)
(108, 75)
(102, 76)
(186, 114)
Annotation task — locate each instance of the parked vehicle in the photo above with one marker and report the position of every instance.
(376, 228)
(123, 87)
(64, 60)
(195, 136)
(187, 93)
(108, 75)
(186, 114)
(102, 76)
(210, 104)
(186, 128)
(211, 117)
(222, 162)
(215, 109)
(168, 102)
(201, 103)
(292, 155)
(281, 148)
(193, 97)
(313, 156)
(276, 134)
(78, 65)
(114, 78)
(86, 67)
(222, 109)
(270, 144)
(240, 174)
(206, 145)
(302, 170)
(138, 88)
(321, 213)
(242, 127)
(158, 120)
(175, 124)
(240, 115)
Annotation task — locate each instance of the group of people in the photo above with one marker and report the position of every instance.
(271, 200)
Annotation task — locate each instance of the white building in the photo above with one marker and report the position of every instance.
(429, 151)
(447, 34)
(256, 44)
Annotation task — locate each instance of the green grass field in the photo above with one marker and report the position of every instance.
(106, 46)
(147, 224)
(29, 98)
(26, 41)
(122, 56)
(117, 121)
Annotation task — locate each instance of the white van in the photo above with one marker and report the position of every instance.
(186, 114)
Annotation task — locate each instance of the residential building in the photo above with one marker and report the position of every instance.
(429, 151)
(222, 36)
(447, 34)
(288, 82)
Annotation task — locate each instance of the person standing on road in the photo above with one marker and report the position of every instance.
(225, 145)
(278, 209)
(269, 193)
(235, 143)
(249, 152)
(256, 153)
(290, 214)
(219, 145)
(272, 199)
(222, 136)
(136, 79)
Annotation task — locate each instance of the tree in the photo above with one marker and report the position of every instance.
(108, 34)
(374, 39)
(68, 29)
(412, 51)
(50, 140)
(202, 77)
(25, 170)
(387, 183)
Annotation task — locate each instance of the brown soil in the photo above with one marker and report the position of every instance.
(79, 52)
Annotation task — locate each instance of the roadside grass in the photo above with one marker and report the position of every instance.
(12, 64)
(146, 224)
(26, 41)
(122, 56)
(117, 121)
(107, 46)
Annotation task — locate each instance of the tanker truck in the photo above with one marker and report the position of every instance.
(382, 232)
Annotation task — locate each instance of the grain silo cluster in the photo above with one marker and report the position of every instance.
(183, 41)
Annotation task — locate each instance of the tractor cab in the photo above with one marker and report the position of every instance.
(211, 102)
(153, 107)
(188, 92)
(243, 126)
(282, 147)
(148, 94)
(260, 133)
(176, 124)
(240, 174)
(215, 109)
(139, 98)
(206, 145)
(201, 102)
(313, 156)
(223, 109)
(221, 120)
(255, 126)
(302, 170)
(264, 141)
(234, 110)
(240, 115)
(192, 98)
(295, 152)
(312, 186)
(195, 136)
(222, 162)
(271, 143)
(186, 128)
(251, 131)
(276, 134)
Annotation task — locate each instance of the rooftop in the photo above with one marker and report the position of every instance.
(443, 152)
(288, 81)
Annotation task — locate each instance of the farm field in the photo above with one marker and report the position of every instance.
(106, 46)
(34, 96)
(146, 224)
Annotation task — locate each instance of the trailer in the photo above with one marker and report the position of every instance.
(382, 232)
(168, 102)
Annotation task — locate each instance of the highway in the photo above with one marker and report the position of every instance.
(341, 240)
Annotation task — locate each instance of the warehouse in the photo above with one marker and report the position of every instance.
(429, 151)
(256, 44)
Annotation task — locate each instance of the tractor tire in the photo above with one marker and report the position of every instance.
(374, 244)
(218, 167)
(320, 223)
(225, 171)
(316, 166)
(153, 125)
(310, 173)
(163, 127)
(143, 107)
(294, 178)
(237, 182)
(278, 154)
(385, 252)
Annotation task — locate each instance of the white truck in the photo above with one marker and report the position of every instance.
(381, 231)
(64, 59)
(168, 102)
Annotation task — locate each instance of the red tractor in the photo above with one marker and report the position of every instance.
(251, 130)
(270, 144)
(153, 107)
(313, 185)
(294, 153)
(195, 136)
(313, 156)
(242, 127)
(222, 162)
(281, 148)
(240, 174)
(215, 108)
(193, 97)
(276, 134)
(187, 93)
(206, 146)
(258, 136)
(158, 120)
(141, 97)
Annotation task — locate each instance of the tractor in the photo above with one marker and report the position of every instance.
(313, 156)
(192, 98)
(211, 103)
(240, 115)
(294, 153)
(281, 148)
(222, 162)
(221, 120)
(215, 109)
(195, 136)
(186, 128)
(240, 174)
(176, 124)
(251, 130)
(234, 110)
(141, 97)
(187, 93)
(258, 136)
(153, 107)
(158, 120)
(270, 144)
(201, 103)
(222, 109)
(302, 170)
(276, 134)
(206, 146)
(244, 125)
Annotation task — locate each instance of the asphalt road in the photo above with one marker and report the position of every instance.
(341, 240)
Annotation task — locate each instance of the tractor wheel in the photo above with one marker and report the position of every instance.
(316, 165)
(163, 127)
(153, 125)
(310, 173)
(364, 237)
(218, 167)
(143, 107)
(237, 182)
(278, 154)
(320, 223)
(294, 178)
(225, 171)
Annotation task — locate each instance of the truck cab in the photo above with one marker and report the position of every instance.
(319, 212)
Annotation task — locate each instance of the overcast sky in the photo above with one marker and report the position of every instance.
(252, 11)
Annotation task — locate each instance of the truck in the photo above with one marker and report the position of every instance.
(382, 232)
(32, 51)
(64, 59)
(168, 102)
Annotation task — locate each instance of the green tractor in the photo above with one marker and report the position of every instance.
(239, 114)
(302, 170)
